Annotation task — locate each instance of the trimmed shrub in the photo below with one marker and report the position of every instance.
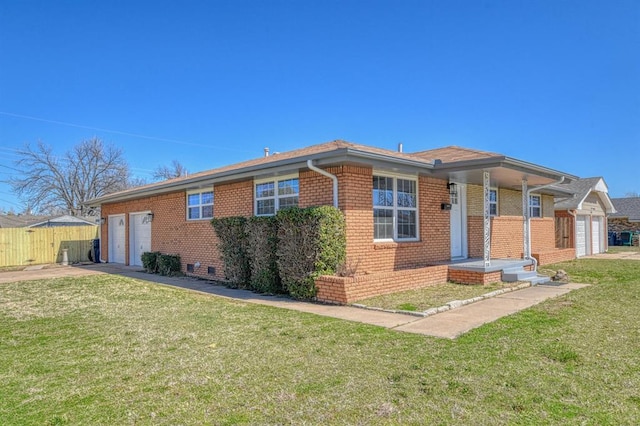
(169, 264)
(233, 248)
(262, 243)
(311, 242)
(150, 261)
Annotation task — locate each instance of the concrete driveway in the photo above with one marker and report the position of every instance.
(450, 324)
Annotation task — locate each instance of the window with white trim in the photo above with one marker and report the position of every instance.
(535, 206)
(395, 208)
(493, 202)
(276, 194)
(199, 205)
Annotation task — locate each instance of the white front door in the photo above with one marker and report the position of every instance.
(116, 238)
(458, 224)
(596, 235)
(139, 237)
(581, 235)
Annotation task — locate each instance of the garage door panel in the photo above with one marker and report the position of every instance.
(596, 235)
(581, 236)
(139, 236)
(116, 238)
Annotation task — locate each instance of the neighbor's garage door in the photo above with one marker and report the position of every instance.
(139, 237)
(581, 235)
(596, 235)
(116, 239)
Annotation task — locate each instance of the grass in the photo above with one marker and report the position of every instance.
(432, 296)
(111, 350)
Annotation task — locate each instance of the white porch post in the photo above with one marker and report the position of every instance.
(486, 225)
(526, 222)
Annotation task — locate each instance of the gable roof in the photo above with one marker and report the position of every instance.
(628, 207)
(450, 160)
(581, 188)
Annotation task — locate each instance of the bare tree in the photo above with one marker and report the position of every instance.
(48, 182)
(631, 194)
(176, 170)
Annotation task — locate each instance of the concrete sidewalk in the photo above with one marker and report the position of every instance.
(450, 324)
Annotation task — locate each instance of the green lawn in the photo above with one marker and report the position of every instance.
(111, 350)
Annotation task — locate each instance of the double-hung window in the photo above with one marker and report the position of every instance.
(493, 202)
(535, 206)
(395, 208)
(199, 205)
(276, 194)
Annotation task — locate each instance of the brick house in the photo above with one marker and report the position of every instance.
(581, 216)
(626, 219)
(413, 219)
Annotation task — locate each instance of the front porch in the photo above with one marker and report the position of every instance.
(475, 271)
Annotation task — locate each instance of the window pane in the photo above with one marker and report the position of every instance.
(493, 209)
(207, 211)
(287, 202)
(407, 224)
(207, 197)
(194, 213)
(534, 200)
(288, 187)
(382, 224)
(406, 193)
(265, 207)
(382, 191)
(193, 199)
(265, 190)
(493, 196)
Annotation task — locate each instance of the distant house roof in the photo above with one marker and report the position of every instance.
(455, 162)
(581, 189)
(627, 207)
(33, 221)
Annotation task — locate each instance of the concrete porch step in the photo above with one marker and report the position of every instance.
(519, 274)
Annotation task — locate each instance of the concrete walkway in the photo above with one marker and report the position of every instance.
(450, 324)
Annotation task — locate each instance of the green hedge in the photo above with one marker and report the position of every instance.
(311, 242)
(233, 246)
(262, 242)
(155, 262)
(284, 253)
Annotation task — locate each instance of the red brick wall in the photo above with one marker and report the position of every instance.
(471, 277)
(355, 199)
(344, 290)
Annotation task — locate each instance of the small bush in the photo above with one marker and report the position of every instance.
(169, 264)
(150, 261)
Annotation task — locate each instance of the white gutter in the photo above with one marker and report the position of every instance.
(330, 176)
(528, 255)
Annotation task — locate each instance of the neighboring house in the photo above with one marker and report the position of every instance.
(32, 221)
(581, 217)
(626, 218)
(412, 219)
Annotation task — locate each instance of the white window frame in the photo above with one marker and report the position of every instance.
(395, 208)
(531, 206)
(200, 204)
(496, 203)
(275, 197)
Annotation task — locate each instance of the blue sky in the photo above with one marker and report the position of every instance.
(209, 83)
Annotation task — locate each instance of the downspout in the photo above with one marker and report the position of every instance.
(529, 191)
(334, 178)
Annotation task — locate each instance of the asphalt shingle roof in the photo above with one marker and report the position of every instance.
(627, 207)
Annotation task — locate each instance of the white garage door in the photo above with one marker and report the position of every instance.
(581, 235)
(596, 235)
(116, 238)
(139, 237)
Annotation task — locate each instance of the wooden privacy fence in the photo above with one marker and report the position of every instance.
(34, 246)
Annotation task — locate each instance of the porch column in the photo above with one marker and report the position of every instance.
(486, 224)
(525, 222)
